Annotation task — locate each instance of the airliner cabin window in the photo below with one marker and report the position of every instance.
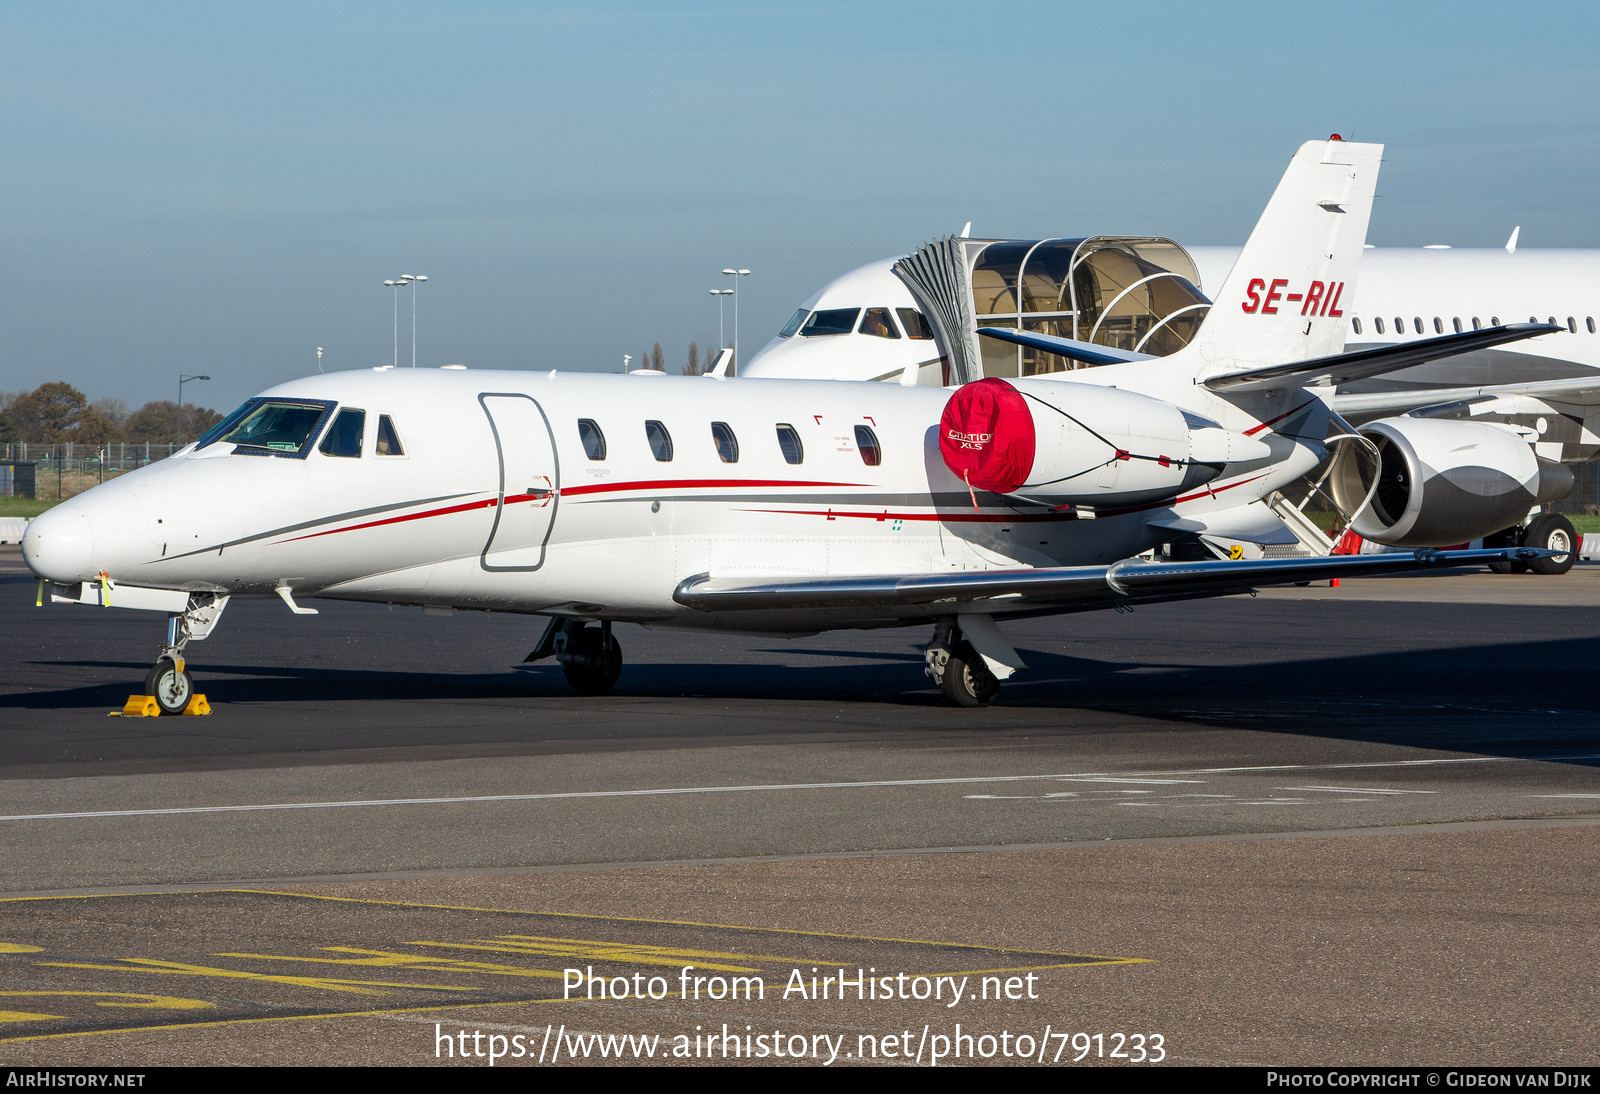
(660, 440)
(1438, 325)
(832, 321)
(1399, 325)
(1475, 324)
(1590, 321)
(1416, 323)
(1534, 319)
(789, 441)
(915, 323)
(1572, 324)
(1457, 324)
(594, 441)
(1552, 320)
(793, 324)
(1378, 322)
(878, 324)
(1494, 320)
(1356, 325)
(388, 439)
(344, 436)
(867, 445)
(727, 444)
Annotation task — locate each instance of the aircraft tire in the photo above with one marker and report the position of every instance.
(170, 688)
(594, 665)
(967, 681)
(1552, 532)
(1509, 537)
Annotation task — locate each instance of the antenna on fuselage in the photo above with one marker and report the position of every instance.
(319, 358)
(1511, 244)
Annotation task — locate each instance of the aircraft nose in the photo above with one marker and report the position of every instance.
(59, 544)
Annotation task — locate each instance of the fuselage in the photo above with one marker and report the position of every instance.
(594, 496)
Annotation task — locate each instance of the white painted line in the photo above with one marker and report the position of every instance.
(1564, 795)
(1120, 779)
(1356, 790)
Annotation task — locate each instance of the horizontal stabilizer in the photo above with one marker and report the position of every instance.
(1087, 352)
(1578, 390)
(1361, 364)
(1061, 588)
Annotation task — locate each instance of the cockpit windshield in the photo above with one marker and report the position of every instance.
(271, 427)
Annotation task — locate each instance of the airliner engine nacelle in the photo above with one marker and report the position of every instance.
(1443, 481)
(1081, 444)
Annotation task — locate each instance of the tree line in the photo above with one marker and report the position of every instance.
(58, 413)
(657, 360)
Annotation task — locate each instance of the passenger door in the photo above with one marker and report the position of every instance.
(530, 483)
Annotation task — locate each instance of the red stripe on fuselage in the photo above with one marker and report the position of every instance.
(1253, 430)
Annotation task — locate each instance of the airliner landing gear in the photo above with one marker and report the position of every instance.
(169, 681)
(1553, 532)
(958, 669)
(591, 657)
(170, 685)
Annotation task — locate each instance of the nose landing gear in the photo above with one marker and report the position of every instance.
(169, 682)
(590, 657)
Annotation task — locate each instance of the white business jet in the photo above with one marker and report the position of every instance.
(786, 507)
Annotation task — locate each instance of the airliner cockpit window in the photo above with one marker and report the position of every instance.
(915, 323)
(388, 439)
(345, 435)
(831, 321)
(793, 324)
(878, 324)
(271, 427)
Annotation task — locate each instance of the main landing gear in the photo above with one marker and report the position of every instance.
(955, 664)
(590, 656)
(1550, 531)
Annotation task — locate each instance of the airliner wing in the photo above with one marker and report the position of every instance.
(1361, 364)
(1579, 390)
(1057, 589)
(1087, 352)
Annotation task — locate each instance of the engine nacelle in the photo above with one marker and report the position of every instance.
(1442, 481)
(1082, 444)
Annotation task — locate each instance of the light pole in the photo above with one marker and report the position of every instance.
(182, 379)
(719, 294)
(736, 275)
(626, 357)
(413, 279)
(395, 285)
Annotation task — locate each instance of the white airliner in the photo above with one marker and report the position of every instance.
(791, 507)
(1145, 295)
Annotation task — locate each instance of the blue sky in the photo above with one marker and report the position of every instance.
(220, 189)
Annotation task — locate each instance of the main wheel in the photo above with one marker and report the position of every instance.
(1507, 537)
(593, 662)
(967, 681)
(171, 688)
(1552, 532)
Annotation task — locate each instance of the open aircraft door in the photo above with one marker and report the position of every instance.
(530, 483)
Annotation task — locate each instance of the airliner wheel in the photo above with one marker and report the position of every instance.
(1506, 537)
(1552, 532)
(594, 662)
(170, 687)
(967, 681)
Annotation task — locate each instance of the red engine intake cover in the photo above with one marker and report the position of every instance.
(986, 435)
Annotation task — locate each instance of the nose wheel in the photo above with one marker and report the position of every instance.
(171, 686)
(592, 660)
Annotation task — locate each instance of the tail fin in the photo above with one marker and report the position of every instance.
(1286, 297)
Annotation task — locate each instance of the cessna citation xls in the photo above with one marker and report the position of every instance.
(791, 507)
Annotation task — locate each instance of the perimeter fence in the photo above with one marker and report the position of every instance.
(50, 472)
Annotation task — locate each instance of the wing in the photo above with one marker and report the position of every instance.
(1087, 352)
(1578, 390)
(1059, 589)
(1361, 364)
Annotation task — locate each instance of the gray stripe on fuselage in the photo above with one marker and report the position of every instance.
(303, 525)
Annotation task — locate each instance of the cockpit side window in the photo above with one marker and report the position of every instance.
(388, 439)
(878, 324)
(793, 324)
(831, 321)
(344, 437)
(915, 323)
(272, 427)
(594, 441)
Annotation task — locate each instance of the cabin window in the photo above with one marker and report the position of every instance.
(1399, 325)
(594, 440)
(1535, 319)
(344, 436)
(1378, 322)
(1438, 325)
(831, 321)
(1456, 322)
(660, 440)
(867, 445)
(789, 441)
(271, 427)
(1355, 325)
(793, 324)
(388, 439)
(1494, 320)
(1475, 324)
(1590, 322)
(727, 444)
(1416, 323)
(1552, 321)
(877, 323)
(1572, 325)
(915, 323)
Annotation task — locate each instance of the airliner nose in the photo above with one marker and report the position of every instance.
(59, 544)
